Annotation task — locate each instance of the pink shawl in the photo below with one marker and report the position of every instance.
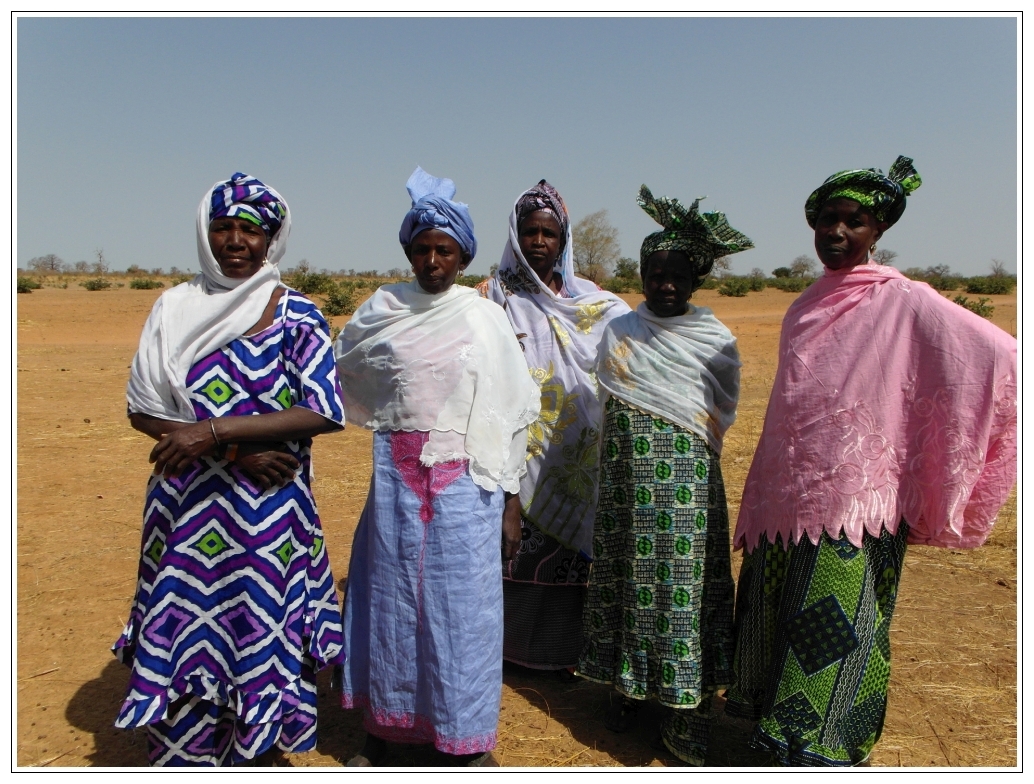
(890, 402)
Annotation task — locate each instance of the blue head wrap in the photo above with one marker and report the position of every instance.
(245, 197)
(433, 208)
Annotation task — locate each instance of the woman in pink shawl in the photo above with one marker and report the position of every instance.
(892, 421)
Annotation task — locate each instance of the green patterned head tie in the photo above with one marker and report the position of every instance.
(701, 236)
(883, 195)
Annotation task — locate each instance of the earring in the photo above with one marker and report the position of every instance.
(872, 249)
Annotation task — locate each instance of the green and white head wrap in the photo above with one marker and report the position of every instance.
(701, 236)
(883, 195)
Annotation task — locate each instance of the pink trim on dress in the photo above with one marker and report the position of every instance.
(426, 482)
(407, 727)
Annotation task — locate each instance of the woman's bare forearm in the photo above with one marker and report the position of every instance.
(290, 425)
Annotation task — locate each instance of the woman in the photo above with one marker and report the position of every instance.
(235, 607)
(436, 372)
(658, 618)
(558, 320)
(892, 421)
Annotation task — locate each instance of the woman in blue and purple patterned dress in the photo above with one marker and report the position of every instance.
(235, 608)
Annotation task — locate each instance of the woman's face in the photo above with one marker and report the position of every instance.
(238, 245)
(844, 232)
(437, 259)
(539, 238)
(668, 283)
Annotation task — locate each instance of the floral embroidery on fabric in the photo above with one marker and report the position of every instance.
(516, 280)
(407, 727)
(558, 412)
(563, 337)
(589, 315)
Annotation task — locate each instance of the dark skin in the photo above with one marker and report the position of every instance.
(262, 438)
(541, 242)
(668, 283)
(844, 233)
(437, 260)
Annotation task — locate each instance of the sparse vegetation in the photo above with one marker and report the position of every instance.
(145, 283)
(981, 308)
(734, 287)
(26, 285)
(96, 284)
(990, 285)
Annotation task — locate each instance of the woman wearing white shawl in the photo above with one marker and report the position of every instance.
(659, 612)
(235, 607)
(559, 320)
(436, 372)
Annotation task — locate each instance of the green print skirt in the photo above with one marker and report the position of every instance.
(659, 611)
(813, 646)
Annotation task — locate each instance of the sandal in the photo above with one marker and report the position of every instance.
(371, 755)
(486, 760)
(621, 714)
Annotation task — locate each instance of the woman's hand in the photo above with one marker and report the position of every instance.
(267, 464)
(511, 526)
(176, 451)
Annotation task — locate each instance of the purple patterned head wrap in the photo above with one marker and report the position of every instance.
(544, 197)
(245, 197)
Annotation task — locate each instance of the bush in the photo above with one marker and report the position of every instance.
(795, 285)
(990, 285)
(709, 283)
(340, 301)
(26, 285)
(734, 287)
(145, 283)
(181, 277)
(981, 308)
(96, 284)
(623, 285)
(945, 282)
(469, 280)
(311, 282)
(781, 272)
(757, 284)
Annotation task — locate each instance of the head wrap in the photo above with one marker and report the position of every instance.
(245, 197)
(433, 208)
(702, 237)
(195, 318)
(544, 197)
(883, 196)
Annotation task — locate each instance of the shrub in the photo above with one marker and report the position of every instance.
(623, 285)
(469, 280)
(311, 282)
(795, 285)
(945, 282)
(180, 277)
(709, 283)
(757, 284)
(96, 284)
(734, 287)
(981, 308)
(989, 285)
(26, 285)
(340, 301)
(134, 269)
(145, 283)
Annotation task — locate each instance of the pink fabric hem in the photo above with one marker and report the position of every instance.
(415, 728)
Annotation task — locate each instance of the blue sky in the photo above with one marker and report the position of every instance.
(123, 124)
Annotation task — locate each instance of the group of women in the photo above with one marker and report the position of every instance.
(547, 485)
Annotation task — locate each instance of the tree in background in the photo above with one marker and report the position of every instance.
(998, 269)
(100, 266)
(626, 268)
(47, 264)
(722, 267)
(82, 266)
(596, 249)
(802, 267)
(885, 256)
(781, 272)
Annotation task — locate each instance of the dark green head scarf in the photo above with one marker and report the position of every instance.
(884, 196)
(701, 236)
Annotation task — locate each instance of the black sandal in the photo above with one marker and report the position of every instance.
(371, 755)
(621, 714)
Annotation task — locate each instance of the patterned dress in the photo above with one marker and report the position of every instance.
(813, 649)
(235, 606)
(658, 617)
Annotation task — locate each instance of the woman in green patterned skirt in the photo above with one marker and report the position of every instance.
(658, 617)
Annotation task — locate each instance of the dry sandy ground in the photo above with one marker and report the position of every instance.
(81, 478)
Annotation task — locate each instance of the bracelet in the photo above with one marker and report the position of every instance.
(230, 453)
(211, 424)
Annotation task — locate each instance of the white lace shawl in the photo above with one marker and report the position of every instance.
(684, 369)
(193, 319)
(447, 364)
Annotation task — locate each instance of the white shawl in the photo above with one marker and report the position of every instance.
(559, 336)
(446, 364)
(190, 321)
(684, 369)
